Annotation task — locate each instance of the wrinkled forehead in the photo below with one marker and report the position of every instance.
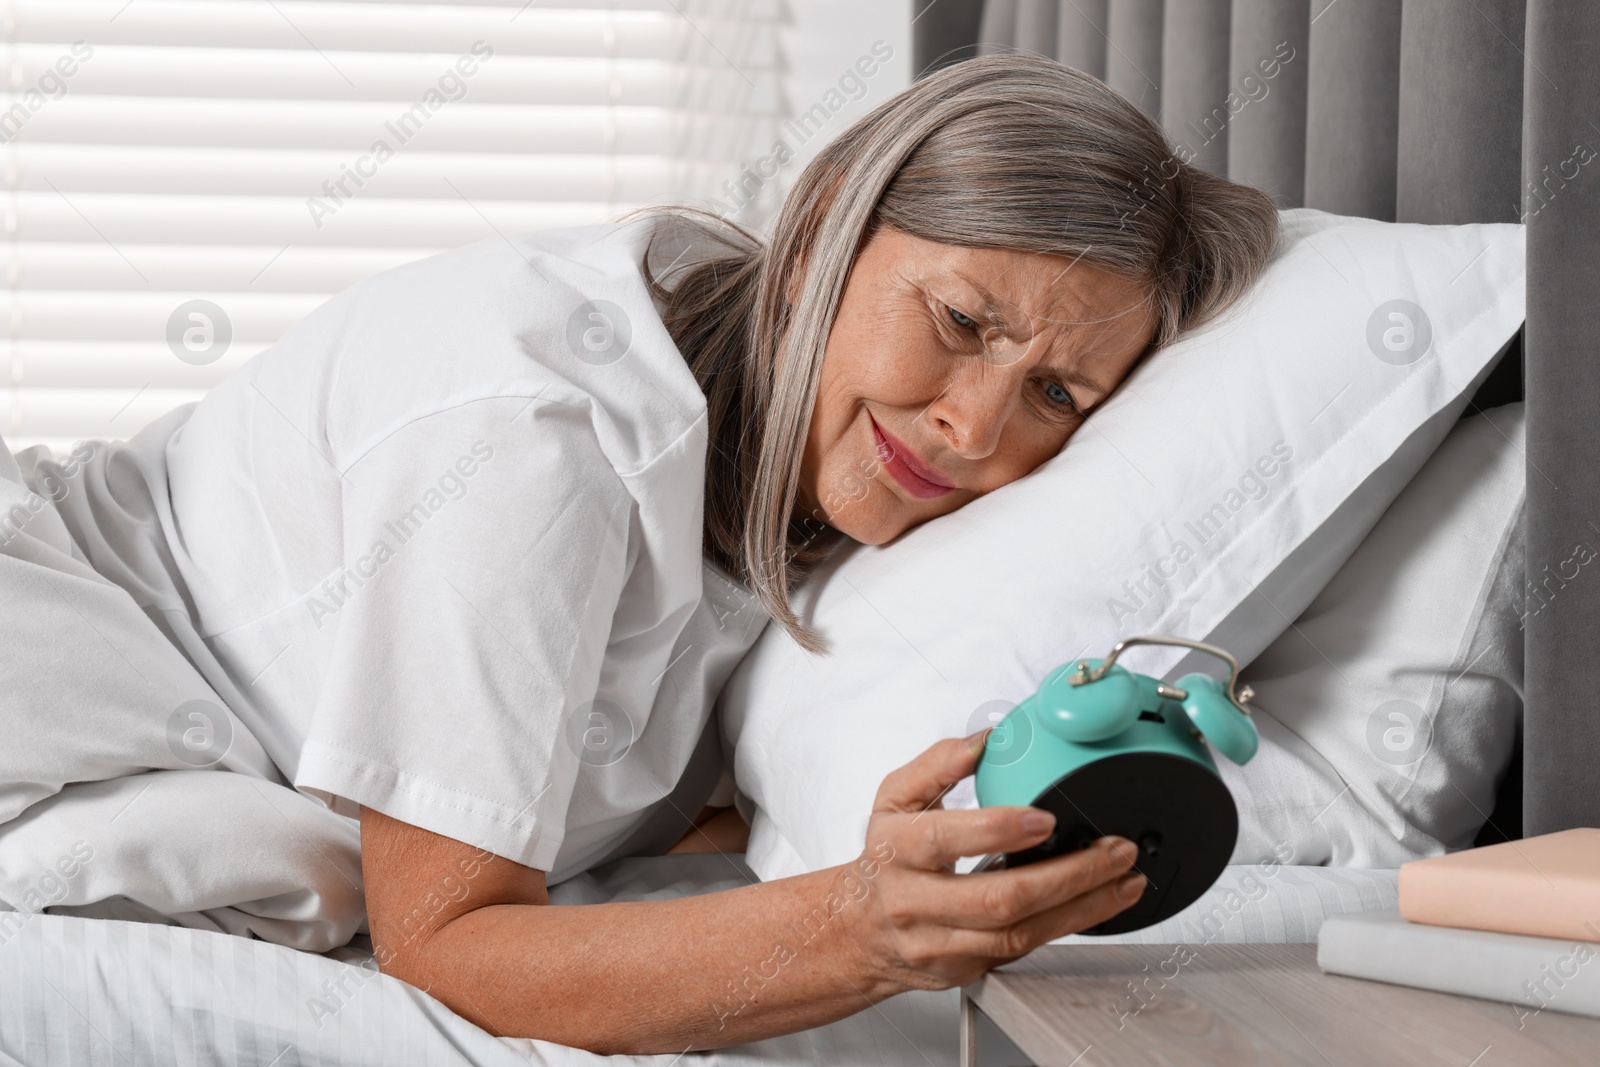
(1023, 293)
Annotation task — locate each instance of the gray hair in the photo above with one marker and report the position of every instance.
(1005, 151)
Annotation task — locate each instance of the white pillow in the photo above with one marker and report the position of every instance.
(1251, 456)
(1388, 713)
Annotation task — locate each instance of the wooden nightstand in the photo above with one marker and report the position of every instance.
(1161, 1005)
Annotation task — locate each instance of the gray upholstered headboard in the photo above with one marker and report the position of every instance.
(1435, 111)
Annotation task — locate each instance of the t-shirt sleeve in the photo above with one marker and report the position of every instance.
(485, 552)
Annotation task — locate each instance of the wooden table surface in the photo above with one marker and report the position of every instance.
(1236, 1005)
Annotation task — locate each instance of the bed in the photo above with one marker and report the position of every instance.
(1423, 111)
(86, 991)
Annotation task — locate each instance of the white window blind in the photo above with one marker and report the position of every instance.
(184, 179)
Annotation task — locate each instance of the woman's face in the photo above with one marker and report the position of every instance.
(951, 371)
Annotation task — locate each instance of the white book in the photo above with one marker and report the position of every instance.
(1533, 974)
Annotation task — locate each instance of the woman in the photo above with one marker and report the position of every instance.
(469, 552)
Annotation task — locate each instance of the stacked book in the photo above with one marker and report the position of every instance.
(1517, 922)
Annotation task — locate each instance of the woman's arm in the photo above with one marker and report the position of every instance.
(714, 830)
(476, 931)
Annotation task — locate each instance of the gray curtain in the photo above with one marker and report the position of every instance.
(1562, 728)
(1353, 108)
(1133, 51)
(1361, 107)
(943, 32)
(1432, 111)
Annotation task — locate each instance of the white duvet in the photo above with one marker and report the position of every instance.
(90, 992)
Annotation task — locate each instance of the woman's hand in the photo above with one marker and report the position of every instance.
(926, 927)
(716, 969)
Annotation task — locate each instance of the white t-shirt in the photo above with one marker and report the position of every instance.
(439, 549)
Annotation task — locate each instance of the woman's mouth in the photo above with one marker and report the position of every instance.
(918, 478)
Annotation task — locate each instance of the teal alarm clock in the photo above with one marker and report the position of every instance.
(1109, 751)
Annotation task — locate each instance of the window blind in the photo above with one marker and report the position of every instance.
(184, 179)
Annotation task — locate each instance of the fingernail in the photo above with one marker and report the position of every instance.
(1036, 821)
(1121, 848)
(1130, 885)
(977, 741)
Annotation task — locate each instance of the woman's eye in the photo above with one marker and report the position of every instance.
(1059, 395)
(961, 320)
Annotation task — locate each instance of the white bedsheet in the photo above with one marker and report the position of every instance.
(94, 991)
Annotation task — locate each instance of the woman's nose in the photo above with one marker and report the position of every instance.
(972, 410)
